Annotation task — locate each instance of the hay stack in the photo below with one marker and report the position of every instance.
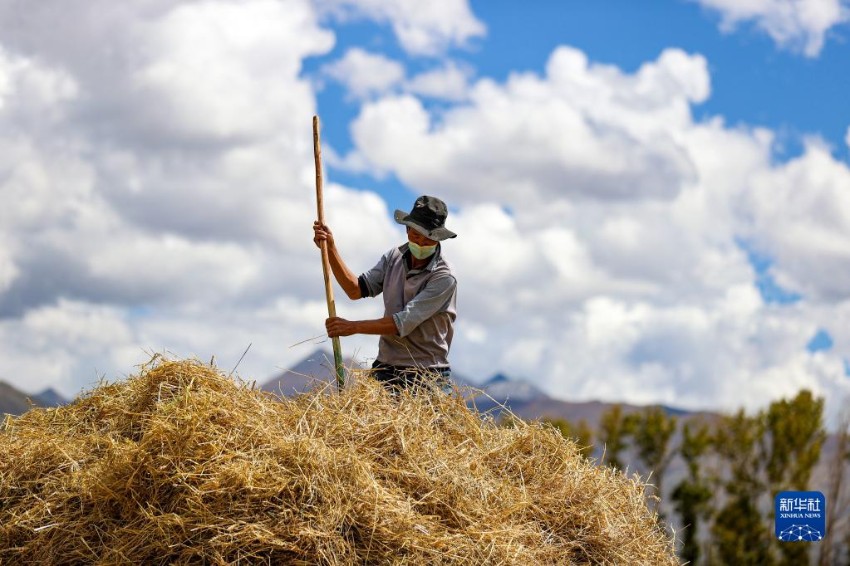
(181, 464)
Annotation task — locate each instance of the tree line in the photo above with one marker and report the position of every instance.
(729, 469)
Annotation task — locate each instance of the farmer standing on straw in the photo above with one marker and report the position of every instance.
(419, 290)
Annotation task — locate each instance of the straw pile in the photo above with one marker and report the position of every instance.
(182, 464)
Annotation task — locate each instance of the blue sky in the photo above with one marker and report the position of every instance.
(753, 82)
(653, 199)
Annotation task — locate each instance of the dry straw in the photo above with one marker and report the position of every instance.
(182, 464)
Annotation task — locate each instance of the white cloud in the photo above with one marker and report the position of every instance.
(224, 69)
(799, 25)
(199, 103)
(449, 82)
(208, 72)
(157, 173)
(600, 227)
(361, 225)
(8, 269)
(64, 345)
(422, 28)
(69, 345)
(365, 74)
(31, 95)
(611, 135)
(802, 218)
(184, 271)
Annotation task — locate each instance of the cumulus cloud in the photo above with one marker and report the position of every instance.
(365, 74)
(225, 70)
(156, 166)
(8, 269)
(800, 25)
(607, 135)
(600, 233)
(802, 218)
(157, 175)
(422, 28)
(64, 345)
(448, 82)
(70, 345)
(210, 71)
(187, 105)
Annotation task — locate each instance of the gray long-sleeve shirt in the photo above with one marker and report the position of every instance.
(422, 304)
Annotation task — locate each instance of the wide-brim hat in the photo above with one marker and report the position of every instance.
(428, 217)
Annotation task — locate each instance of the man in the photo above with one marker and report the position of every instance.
(419, 291)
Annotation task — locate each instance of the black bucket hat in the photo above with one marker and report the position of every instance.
(428, 217)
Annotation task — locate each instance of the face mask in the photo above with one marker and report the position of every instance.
(421, 252)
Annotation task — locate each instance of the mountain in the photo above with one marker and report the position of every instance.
(588, 411)
(316, 370)
(501, 389)
(50, 398)
(498, 394)
(14, 402)
(502, 394)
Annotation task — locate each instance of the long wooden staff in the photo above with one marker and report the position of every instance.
(329, 292)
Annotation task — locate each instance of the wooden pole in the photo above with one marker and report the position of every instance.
(326, 266)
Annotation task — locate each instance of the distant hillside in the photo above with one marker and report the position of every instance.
(526, 400)
(316, 370)
(573, 411)
(500, 391)
(14, 402)
(50, 398)
(504, 389)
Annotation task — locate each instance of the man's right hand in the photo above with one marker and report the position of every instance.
(321, 233)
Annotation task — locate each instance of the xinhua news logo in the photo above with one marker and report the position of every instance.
(800, 516)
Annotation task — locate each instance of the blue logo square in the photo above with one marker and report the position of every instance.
(800, 516)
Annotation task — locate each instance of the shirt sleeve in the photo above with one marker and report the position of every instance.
(434, 298)
(372, 282)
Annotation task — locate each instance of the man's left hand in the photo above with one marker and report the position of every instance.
(339, 327)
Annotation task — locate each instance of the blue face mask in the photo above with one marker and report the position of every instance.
(421, 252)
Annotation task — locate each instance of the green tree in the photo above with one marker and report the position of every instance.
(581, 433)
(652, 430)
(791, 447)
(834, 500)
(614, 430)
(773, 451)
(739, 534)
(691, 497)
(793, 442)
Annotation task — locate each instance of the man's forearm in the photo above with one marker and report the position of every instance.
(340, 327)
(382, 326)
(344, 276)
